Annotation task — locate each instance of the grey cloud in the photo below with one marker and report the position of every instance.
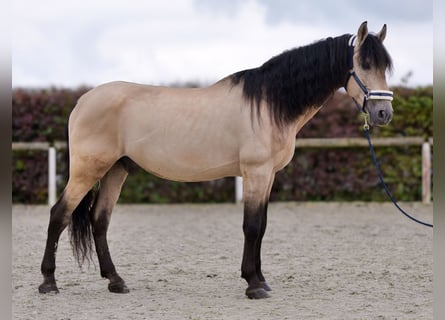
(227, 7)
(337, 13)
(341, 13)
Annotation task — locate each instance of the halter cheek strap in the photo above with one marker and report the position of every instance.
(369, 94)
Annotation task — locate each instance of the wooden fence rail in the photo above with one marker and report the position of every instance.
(300, 143)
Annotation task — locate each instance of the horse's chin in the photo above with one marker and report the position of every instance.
(379, 124)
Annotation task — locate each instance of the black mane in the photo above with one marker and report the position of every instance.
(306, 76)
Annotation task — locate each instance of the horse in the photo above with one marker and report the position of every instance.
(243, 125)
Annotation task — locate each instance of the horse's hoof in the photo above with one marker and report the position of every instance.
(266, 286)
(257, 293)
(118, 287)
(48, 287)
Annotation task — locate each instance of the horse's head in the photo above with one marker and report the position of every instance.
(366, 83)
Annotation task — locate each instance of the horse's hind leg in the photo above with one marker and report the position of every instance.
(76, 198)
(57, 224)
(74, 195)
(110, 188)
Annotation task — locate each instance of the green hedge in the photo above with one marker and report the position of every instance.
(313, 174)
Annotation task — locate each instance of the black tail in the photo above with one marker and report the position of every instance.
(81, 235)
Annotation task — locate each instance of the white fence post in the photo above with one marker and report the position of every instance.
(426, 172)
(238, 189)
(52, 176)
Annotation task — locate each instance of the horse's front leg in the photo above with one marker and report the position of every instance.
(257, 185)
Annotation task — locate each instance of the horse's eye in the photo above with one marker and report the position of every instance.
(366, 64)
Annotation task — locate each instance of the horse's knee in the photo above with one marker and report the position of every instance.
(253, 220)
(58, 210)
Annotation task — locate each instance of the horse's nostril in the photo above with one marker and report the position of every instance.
(382, 114)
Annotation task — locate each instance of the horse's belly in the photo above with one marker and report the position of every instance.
(189, 171)
(192, 163)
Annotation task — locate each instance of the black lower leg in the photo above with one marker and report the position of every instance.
(57, 224)
(258, 249)
(253, 230)
(107, 268)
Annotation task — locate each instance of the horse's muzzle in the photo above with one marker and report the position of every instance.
(380, 112)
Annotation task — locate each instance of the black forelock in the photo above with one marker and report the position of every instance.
(374, 55)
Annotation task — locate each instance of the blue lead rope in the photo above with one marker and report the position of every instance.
(385, 187)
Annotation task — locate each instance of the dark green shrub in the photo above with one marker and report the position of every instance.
(313, 174)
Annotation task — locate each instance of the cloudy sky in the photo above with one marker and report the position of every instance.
(86, 42)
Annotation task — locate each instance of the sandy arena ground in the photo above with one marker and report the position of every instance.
(323, 261)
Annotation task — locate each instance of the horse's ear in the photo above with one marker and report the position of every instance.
(382, 33)
(362, 33)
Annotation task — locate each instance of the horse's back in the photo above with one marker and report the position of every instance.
(107, 97)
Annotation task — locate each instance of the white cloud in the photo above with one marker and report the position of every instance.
(411, 47)
(91, 42)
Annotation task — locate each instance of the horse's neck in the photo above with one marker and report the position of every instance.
(333, 70)
(303, 119)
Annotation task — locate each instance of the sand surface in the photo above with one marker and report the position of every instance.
(322, 260)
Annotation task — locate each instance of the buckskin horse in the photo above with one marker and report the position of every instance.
(243, 125)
